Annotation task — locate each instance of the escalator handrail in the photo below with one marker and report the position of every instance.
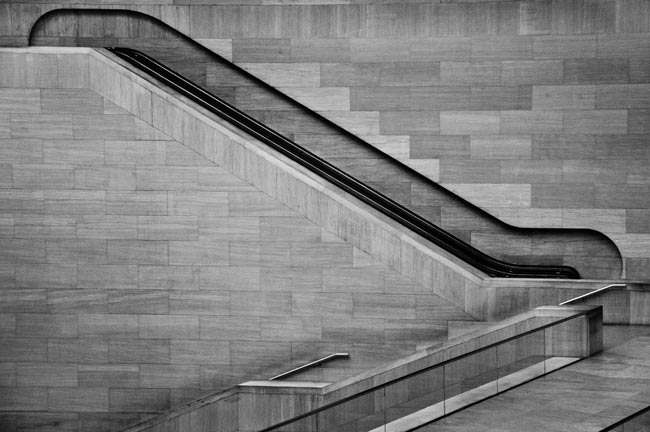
(454, 245)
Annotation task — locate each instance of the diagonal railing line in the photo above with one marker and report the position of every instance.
(594, 292)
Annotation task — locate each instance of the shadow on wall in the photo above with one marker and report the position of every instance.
(593, 254)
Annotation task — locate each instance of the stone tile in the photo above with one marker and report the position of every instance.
(355, 280)
(623, 96)
(74, 202)
(285, 75)
(149, 203)
(214, 178)
(138, 302)
(24, 399)
(319, 50)
(563, 146)
(564, 97)
(167, 277)
(122, 376)
(260, 253)
(138, 252)
(23, 349)
(295, 279)
(138, 350)
(439, 147)
(255, 50)
(205, 352)
(179, 155)
(440, 98)
(198, 203)
(500, 98)
(410, 123)
(109, 127)
(620, 196)
(531, 122)
(594, 171)
(169, 326)
(46, 325)
(199, 303)
(62, 152)
(136, 152)
(598, 122)
(77, 350)
(46, 275)
(108, 326)
(23, 151)
(77, 300)
(138, 400)
(23, 300)
(466, 73)
(230, 228)
(225, 328)
(637, 221)
(563, 196)
(623, 45)
(43, 176)
(107, 227)
(379, 50)
(321, 255)
(639, 70)
(532, 72)
(45, 126)
(46, 375)
(22, 251)
(203, 252)
(291, 329)
(45, 227)
(469, 171)
(379, 98)
(469, 122)
(76, 251)
(71, 101)
(168, 228)
(531, 171)
(231, 278)
(500, 147)
(255, 204)
(411, 74)
(295, 229)
(349, 74)
(440, 49)
(16, 100)
(564, 46)
(166, 178)
(502, 48)
(494, 195)
(260, 303)
(106, 178)
(170, 376)
(639, 121)
(326, 305)
(343, 330)
(261, 353)
(596, 71)
(386, 306)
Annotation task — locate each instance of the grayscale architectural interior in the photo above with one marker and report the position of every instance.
(159, 262)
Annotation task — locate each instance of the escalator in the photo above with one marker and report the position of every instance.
(359, 168)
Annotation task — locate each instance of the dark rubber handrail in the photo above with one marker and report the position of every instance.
(360, 190)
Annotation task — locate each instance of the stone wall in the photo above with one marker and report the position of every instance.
(136, 275)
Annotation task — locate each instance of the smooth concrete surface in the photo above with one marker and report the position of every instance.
(586, 396)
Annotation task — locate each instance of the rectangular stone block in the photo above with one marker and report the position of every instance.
(77, 350)
(532, 72)
(621, 196)
(531, 122)
(205, 352)
(500, 147)
(563, 146)
(23, 399)
(77, 300)
(440, 98)
(343, 330)
(138, 400)
(439, 147)
(409, 123)
(62, 152)
(138, 302)
(564, 46)
(136, 203)
(199, 303)
(290, 279)
(469, 171)
(22, 251)
(179, 155)
(639, 71)
(108, 326)
(168, 228)
(291, 329)
(260, 303)
(121, 376)
(107, 227)
(467, 73)
(46, 375)
(386, 306)
(45, 126)
(260, 353)
(596, 71)
(20, 100)
(170, 376)
(440, 49)
(637, 221)
(260, 253)
(563, 196)
(256, 50)
(295, 229)
(594, 171)
(285, 75)
(74, 202)
(230, 278)
(46, 275)
(166, 178)
(255, 204)
(22, 151)
(136, 152)
(71, 101)
(46, 325)
(107, 276)
(469, 122)
(45, 227)
(230, 228)
(168, 277)
(494, 195)
(138, 351)
(324, 305)
(107, 178)
(109, 127)
(319, 50)
(23, 300)
(379, 98)
(169, 327)
(623, 96)
(321, 255)
(623, 46)
(214, 178)
(379, 50)
(502, 48)
(20, 349)
(204, 252)
(564, 97)
(230, 328)
(78, 399)
(500, 98)
(43, 176)
(198, 203)
(137, 252)
(531, 171)
(597, 122)
(356, 280)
